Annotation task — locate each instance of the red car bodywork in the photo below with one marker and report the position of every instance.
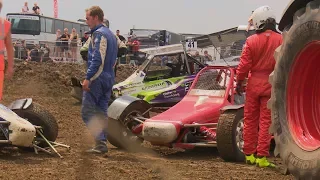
(193, 108)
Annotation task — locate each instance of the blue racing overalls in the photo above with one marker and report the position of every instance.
(102, 54)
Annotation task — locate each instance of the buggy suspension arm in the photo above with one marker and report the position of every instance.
(198, 125)
(51, 144)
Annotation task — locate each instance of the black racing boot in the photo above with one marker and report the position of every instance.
(100, 148)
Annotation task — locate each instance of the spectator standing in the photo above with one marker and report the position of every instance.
(36, 9)
(122, 51)
(129, 45)
(57, 49)
(135, 49)
(64, 44)
(25, 8)
(74, 44)
(136, 46)
(20, 49)
(120, 36)
(207, 56)
(197, 56)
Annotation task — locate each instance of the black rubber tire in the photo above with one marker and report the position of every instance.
(305, 28)
(39, 116)
(112, 98)
(76, 93)
(116, 129)
(226, 136)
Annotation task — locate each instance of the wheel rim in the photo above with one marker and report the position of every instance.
(303, 96)
(239, 135)
(127, 124)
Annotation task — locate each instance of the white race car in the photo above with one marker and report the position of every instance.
(29, 126)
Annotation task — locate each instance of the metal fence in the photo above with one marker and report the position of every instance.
(58, 51)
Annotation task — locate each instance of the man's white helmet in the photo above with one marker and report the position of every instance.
(260, 16)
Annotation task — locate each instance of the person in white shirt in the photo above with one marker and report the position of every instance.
(25, 8)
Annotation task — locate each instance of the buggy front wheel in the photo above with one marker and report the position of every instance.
(39, 116)
(230, 136)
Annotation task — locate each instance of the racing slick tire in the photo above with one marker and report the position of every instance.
(229, 135)
(39, 116)
(119, 135)
(295, 94)
(112, 98)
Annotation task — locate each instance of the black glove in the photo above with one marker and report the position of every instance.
(84, 55)
(239, 88)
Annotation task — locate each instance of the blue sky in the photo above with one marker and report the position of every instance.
(181, 16)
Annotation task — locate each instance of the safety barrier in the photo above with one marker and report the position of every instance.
(57, 51)
(60, 51)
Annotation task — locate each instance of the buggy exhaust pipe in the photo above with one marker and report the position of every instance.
(198, 125)
(137, 119)
(185, 145)
(5, 122)
(5, 142)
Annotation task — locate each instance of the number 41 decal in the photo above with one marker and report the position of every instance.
(191, 44)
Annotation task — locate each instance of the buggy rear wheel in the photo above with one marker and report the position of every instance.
(230, 137)
(39, 116)
(120, 130)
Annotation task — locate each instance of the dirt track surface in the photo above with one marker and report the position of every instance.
(48, 85)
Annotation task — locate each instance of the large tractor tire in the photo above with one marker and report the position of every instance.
(230, 136)
(296, 93)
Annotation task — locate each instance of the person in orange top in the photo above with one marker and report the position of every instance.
(5, 45)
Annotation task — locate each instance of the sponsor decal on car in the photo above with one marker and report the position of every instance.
(171, 94)
(131, 85)
(163, 84)
(187, 86)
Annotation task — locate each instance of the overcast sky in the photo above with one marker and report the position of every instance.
(181, 16)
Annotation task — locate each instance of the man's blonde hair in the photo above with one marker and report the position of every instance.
(1, 4)
(96, 11)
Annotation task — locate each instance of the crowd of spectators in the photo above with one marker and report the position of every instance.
(67, 44)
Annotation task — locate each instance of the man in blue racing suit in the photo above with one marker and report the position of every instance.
(97, 86)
